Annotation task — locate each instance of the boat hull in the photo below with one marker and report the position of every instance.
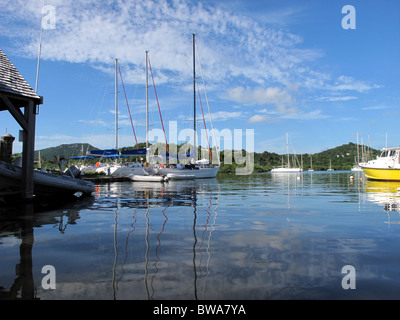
(148, 178)
(383, 174)
(45, 184)
(199, 173)
(286, 170)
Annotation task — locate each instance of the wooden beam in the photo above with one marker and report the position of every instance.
(15, 112)
(28, 151)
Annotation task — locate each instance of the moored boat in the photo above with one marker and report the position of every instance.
(287, 168)
(386, 167)
(45, 184)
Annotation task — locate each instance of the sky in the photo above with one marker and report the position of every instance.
(271, 66)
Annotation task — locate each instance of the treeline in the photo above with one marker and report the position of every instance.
(340, 158)
(343, 157)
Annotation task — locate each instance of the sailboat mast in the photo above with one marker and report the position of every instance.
(194, 96)
(287, 149)
(147, 102)
(116, 104)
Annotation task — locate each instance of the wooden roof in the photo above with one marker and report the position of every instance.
(14, 86)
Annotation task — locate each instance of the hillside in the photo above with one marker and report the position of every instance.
(342, 157)
(64, 150)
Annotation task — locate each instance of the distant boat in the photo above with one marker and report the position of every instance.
(356, 167)
(385, 167)
(330, 166)
(311, 168)
(45, 184)
(287, 168)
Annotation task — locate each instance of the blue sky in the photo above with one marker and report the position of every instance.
(272, 66)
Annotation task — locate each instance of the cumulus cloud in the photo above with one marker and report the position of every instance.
(259, 118)
(96, 32)
(282, 99)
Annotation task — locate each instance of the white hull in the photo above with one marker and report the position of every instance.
(124, 170)
(198, 173)
(286, 170)
(128, 170)
(174, 176)
(44, 183)
(148, 178)
(356, 169)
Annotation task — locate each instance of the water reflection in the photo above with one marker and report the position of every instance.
(19, 221)
(386, 194)
(150, 200)
(257, 237)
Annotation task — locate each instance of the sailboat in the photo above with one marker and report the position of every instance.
(199, 169)
(330, 166)
(356, 167)
(287, 168)
(116, 169)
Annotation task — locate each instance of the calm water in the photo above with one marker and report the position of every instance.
(253, 237)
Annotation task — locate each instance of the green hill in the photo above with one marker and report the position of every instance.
(342, 157)
(64, 150)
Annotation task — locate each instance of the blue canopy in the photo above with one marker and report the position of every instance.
(103, 152)
(114, 156)
(134, 152)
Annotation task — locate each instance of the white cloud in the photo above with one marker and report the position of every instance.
(96, 32)
(94, 122)
(350, 84)
(225, 115)
(259, 118)
(312, 115)
(333, 99)
(282, 99)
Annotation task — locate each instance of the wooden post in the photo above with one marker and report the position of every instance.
(28, 151)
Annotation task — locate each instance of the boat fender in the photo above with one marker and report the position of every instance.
(146, 164)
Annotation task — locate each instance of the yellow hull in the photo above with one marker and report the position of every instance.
(382, 174)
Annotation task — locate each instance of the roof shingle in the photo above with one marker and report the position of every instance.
(11, 81)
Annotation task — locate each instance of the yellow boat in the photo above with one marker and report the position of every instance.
(386, 167)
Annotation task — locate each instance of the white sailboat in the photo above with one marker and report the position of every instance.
(287, 168)
(356, 167)
(330, 166)
(200, 169)
(115, 168)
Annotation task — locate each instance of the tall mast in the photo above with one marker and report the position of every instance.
(116, 104)
(147, 102)
(287, 149)
(194, 97)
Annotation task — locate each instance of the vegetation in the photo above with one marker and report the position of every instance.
(341, 158)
